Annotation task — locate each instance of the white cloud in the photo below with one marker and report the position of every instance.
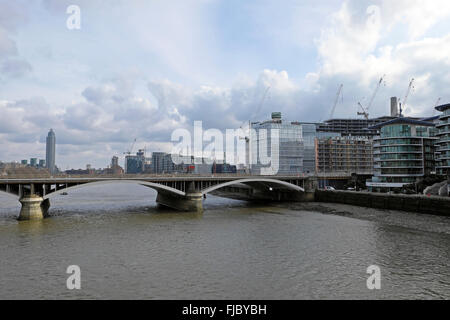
(419, 16)
(361, 44)
(12, 15)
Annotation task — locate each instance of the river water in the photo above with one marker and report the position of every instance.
(128, 248)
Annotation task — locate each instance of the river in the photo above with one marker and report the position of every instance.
(128, 248)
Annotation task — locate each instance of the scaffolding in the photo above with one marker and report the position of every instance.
(350, 155)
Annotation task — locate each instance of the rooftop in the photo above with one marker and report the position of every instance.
(443, 107)
(404, 121)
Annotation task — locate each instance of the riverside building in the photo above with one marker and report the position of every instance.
(134, 164)
(443, 144)
(403, 153)
(347, 155)
(288, 159)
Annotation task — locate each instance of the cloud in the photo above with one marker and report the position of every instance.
(15, 68)
(12, 16)
(113, 114)
(8, 47)
(226, 108)
(362, 43)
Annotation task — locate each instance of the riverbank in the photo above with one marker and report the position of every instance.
(410, 203)
(413, 220)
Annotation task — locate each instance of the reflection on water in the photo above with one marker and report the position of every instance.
(129, 248)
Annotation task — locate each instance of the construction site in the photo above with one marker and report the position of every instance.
(344, 155)
(362, 126)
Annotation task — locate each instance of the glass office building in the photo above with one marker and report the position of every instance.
(443, 144)
(403, 152)
(297, 145)
(282, 157)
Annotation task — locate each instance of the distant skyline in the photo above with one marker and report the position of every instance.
(140, 69)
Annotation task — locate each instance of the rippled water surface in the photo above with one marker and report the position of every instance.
(129, 248)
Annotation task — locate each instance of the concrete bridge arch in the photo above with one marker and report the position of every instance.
(9, 194)
(156, 186)
(270, 182)
(180, 192)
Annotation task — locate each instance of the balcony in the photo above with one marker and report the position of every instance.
(442, 124)
(442, 131)
(402, 152)
(402, 167)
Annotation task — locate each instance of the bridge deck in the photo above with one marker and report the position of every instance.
(155, 179)
(183, 192)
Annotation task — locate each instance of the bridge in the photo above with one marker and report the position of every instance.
(184, 193)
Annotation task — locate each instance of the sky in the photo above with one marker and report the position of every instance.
(140, 69)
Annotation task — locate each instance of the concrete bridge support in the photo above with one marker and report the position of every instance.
(34, 207)
(192, 201)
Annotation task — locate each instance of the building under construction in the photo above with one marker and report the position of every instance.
(359, 127)
(135, 163)
(346, 155)
(352, 127)
(352, 152)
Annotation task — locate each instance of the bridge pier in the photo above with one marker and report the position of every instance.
(192, 201)
(34, 207)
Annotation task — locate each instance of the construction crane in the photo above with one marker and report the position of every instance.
(336, 100)
(262, 101)
(257, 111)
(266, 91)
(435, 105)
(403, 104)
(365, 111)
(131, 148)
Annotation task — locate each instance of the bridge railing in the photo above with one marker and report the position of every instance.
(168, 175)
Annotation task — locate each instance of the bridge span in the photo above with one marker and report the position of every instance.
(184, 193)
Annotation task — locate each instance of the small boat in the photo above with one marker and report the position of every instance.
(64, 193)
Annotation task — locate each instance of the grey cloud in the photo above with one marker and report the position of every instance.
(224, 108)
(95, 95)
(82, 117)
(7, 46)
(15, 68)
(118, 89)
(23, 137)
(13, 14)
